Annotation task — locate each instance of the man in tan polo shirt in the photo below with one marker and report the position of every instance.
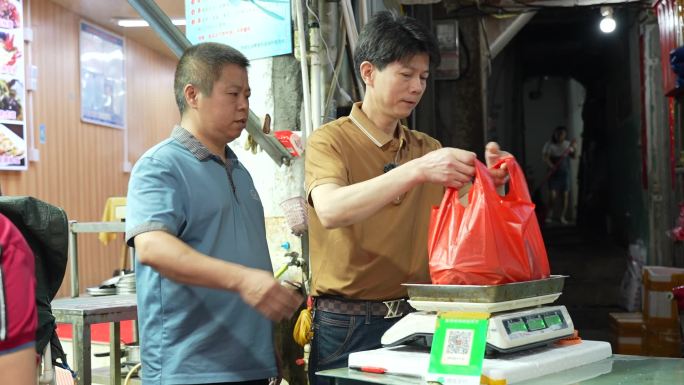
(371, 183)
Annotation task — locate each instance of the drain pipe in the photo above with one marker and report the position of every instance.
(315, 50)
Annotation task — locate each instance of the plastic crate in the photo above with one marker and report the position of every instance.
(296, 215)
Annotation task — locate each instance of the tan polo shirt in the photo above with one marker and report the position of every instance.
(370, 259)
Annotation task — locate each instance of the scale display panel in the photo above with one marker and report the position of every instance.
(534, 323)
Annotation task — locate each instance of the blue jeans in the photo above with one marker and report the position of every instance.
(337, 335)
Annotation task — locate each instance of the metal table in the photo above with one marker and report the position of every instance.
(81, 312)
(618, 369)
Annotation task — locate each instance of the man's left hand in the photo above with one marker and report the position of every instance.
(493, 154)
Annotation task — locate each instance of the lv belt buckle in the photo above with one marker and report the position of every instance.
(393, 308)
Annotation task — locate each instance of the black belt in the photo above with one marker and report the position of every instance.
(389, 309)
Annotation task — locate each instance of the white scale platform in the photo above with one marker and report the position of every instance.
(508, 369)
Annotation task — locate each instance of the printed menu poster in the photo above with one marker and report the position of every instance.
(13, 147)
(256, 28)
(103, 77)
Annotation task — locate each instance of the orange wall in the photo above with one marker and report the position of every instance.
(81, 164)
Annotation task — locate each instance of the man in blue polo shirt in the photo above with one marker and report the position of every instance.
(206, 292)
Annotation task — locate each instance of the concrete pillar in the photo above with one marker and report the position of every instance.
(454, 111)
(661, 205)
(461, 108)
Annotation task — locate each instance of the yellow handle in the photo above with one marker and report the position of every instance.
(281, 271)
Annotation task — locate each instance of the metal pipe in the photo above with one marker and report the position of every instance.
(315, 51)
(303, 62)
(162, 25)
(350, 24)
(73, 260)
(509, 33)
(353, 37)
(177, 42)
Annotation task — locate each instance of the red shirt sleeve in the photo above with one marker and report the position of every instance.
(18, 317)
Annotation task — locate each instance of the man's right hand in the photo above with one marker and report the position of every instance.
(260, 290)
(451, 167)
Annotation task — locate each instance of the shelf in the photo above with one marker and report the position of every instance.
(98, 227)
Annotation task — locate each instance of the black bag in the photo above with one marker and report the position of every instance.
(46, 229)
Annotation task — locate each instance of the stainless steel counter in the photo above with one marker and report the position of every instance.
(81, 312)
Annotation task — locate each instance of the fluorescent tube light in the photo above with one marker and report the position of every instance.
(133, 23)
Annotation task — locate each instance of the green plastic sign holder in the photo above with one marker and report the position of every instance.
(458, 348)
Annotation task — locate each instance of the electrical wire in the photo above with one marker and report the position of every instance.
(130, 373)
(489, 50)
(335, 68)
(327, 50)
(302, 332)
(466, 54)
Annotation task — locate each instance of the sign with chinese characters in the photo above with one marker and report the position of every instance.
(256, 28)
(103, 77)
(13, 147)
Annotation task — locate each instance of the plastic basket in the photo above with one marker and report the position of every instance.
(295, 214)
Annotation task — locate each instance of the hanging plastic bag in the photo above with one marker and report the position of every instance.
(495, 240)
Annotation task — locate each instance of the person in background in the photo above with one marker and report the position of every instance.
(18, 316)
(206, 292)
(371, 183)
(556, 154)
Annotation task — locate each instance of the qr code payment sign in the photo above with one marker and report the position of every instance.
(458, 345)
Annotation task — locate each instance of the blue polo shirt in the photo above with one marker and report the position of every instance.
(192, 334)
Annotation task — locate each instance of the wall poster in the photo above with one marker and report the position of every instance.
(13, 147)
(258, 29)
(103, 77)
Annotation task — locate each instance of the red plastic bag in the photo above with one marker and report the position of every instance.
(494, 240)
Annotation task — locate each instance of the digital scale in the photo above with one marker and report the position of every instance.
(520, 320)
(522, 328)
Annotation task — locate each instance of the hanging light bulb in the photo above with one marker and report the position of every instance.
(607, 24)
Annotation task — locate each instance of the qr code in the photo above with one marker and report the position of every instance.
(458, 344)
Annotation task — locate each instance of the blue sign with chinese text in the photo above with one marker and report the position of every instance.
(257, 28)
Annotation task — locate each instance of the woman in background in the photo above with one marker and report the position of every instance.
(557, 153)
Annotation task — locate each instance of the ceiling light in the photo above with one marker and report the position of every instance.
(607, 24)
(132, 23)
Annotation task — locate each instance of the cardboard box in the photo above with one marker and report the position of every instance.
(627, 330)
(661, 342)
(659, 308)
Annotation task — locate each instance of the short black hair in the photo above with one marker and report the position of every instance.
(387, 38)
(556, 133)
(201, 66)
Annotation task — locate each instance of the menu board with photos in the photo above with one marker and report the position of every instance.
(13, 147)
